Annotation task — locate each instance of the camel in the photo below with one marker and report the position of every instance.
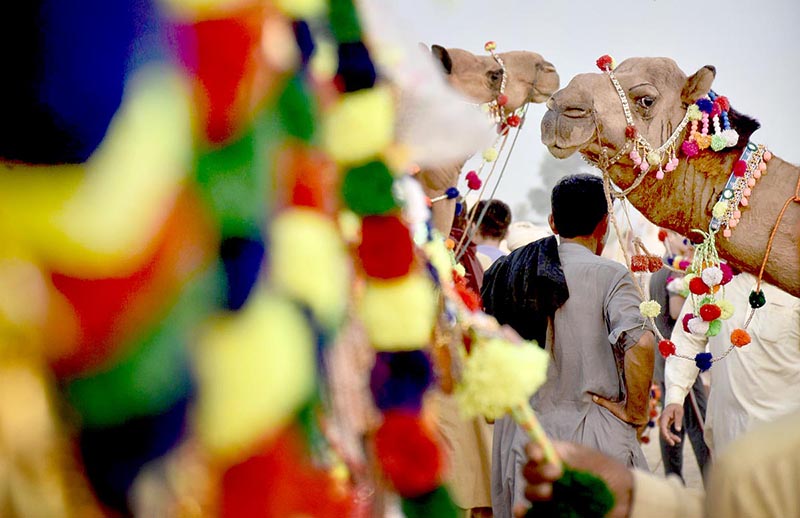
(587, 116)
(530, 78)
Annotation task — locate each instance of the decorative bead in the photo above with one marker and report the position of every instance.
(751, 182)
(767, 156)
(727, 194)
(744, 202)
(733, 222)
(631, 132)
(660, 174)
(756, 174)
(502, 100)
(747, 191)
(490, 155)
(762, 167)
(666, 348)
(513, 120)
(757, 299)
(670, 166)
(654, 157)
(726, 233)
(644, 166)
(489, 46)
(451, 193)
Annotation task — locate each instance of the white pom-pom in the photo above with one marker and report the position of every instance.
(675, 286)
(698, 326)
(712, 276)
(731, 137)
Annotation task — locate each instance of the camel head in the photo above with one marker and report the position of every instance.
(658, 94)
(529, 77)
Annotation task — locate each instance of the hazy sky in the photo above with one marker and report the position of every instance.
(755, 47)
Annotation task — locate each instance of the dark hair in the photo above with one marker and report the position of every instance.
(578, 204)
(497, 219)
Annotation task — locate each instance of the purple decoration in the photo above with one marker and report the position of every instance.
(399, 380)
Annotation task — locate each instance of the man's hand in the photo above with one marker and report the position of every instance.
(540, 475)
(673, 414)
(622, 411)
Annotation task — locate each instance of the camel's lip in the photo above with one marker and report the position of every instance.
(563, 152)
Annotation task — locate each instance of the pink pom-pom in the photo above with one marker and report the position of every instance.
(737, 214)
(670, 166)
(751, 182)
(683, 265)
(767, 156)
(690, 148)
(756, 174)
(747, 191)
(762, 167)
(744, 202)
(726, 233)
(715, 109)
(644, 166)
(686, 318)
(727, 273)
(660, 174)
(733, 222)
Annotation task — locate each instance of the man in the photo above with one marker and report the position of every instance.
(598, 384)
(491, 231)
(666, 288)
(755, 383)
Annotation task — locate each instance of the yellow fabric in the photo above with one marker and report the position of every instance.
(99, 218)
(255, 369)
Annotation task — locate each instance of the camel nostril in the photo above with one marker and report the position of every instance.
(547, 67)
(551, 104)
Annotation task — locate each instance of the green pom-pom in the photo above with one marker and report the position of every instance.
(436, 504)
(367, 189)
(577, 494)
(714, 328)
(718, 142)
(297, 109)
(344, 21)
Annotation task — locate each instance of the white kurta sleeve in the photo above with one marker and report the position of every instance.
(680, 374)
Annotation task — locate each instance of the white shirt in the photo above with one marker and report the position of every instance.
(759, 382)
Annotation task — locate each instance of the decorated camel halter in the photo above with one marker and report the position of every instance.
(707, 275)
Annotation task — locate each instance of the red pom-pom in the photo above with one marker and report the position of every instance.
(645, 439)
(666, 348)
(513, 120)
(631, 132)
(709, 312)
(473, 181)
(386, 249)
(685, 322)
(716, 109)
(698, 287)
(739, 168)
(723, 102)
(654, 264)
(470, 299)
(740, 337)
(662, 235)
(727, 273)
(407, 453)
(604, 62)
(639, 263)
(502, 100)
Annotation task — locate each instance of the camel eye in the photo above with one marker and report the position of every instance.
(646, 102)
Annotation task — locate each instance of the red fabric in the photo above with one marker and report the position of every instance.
(386, 249)
(407, 453)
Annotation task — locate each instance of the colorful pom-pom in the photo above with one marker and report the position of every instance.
(359, 126)
(451, 193)
(719, 209)
(694, 113)
(499, 375)
(718, 142)
(650, 309)
(703, 141)
(697, 286)
(685, 322)
(714, 327)
(654, 157)
(459, 208)
(740, 168)
(723, 102)
(408, 454)
(740, 337)
(703, 361)
(757, 299)
(513, 120)
(698, 326)
(399, 314)
(639, 263)
(690, 148)
(726, 308)
(399, 380)
(490, 155)
(605, 62)
(731, 137)
(704, 105)
(367, 189)
(727, 271)
(666, 348)
(712, 275)
(386, 250)
(631, 132)
(473, 181)
(662, 235)
(654, 263)
(502, 100)
(709, 312)
(356, 70)
(489, 46)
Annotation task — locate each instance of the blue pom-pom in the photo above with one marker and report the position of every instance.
(703, 361)
(451, 193)
(705, 105)
(114, 456)
(459, 208)
(399, 380)
(305, 41)
(356, 70)
(242, 258)
(651, 424)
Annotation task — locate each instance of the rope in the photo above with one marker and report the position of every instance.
(794, 198)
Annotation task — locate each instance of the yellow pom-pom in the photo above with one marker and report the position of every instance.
(498, 376)
(310, 262)
(719, 209)
(490, 155)
(399, 314)
(694, 113)
(302, 9)
(255, 369)
(438, 253)
(727, 309)
(650, 309)
(324, 61)
(460, 270)
(360, 126)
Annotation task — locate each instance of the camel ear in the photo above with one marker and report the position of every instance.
(698, 84)
(423, 47)
(442, 55)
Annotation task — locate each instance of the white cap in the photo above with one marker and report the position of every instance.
(520, 233)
